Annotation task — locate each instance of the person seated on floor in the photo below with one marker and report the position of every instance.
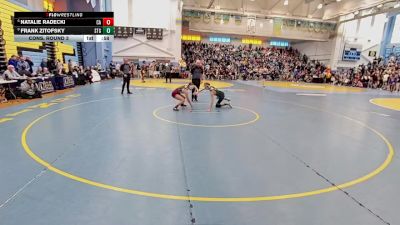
(88, 75)
(81, 80)
(29, 89)
(25, 72)
(113, 73)
(11, 74)
(74, 72)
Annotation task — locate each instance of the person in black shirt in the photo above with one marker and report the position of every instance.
(51, 65)
(197, 75)
(126, 69)
(29, 61)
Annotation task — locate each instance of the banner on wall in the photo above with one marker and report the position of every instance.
(251, 24)
(206, 17)
(238, 19)
(226, 18)
(277, 28)
(217, 18)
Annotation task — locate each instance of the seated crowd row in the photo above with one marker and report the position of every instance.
(230, 62)
(20, 69)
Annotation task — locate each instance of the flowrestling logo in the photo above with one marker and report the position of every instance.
(68, 81)
(46, 86)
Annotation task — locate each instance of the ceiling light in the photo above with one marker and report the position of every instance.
(286, 2)
(252, 0)
(338, 0)
(379, 6)
(356, 12)
(397, 5)
(320, 6)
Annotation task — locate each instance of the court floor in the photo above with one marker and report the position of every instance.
(285, 154)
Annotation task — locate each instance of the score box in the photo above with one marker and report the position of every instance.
(108, 30)
(104, 38)
(108, 22)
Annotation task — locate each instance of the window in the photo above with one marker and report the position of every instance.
(396, 31)
(191, 38)
(220, 39)
(279, 43)
(251, 41)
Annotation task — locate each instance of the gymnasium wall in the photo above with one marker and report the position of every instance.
(36, 50)
(367, 32)
(263, 28)
(316, 50)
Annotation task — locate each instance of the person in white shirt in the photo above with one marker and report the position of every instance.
(11, 74)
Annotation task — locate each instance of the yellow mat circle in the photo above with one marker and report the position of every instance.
(160, 83)
(389, 103)
(311, 87)
(50, 166)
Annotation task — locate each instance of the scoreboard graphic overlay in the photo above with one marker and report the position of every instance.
(64, 26)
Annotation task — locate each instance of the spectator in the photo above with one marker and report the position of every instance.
(13, 61)
(29, 89)
(51, 65)
(46, 72)
(43, 64)
(70, 66)
(31, 64)
(39, 72)
(59, 66)
(11, 74)
(88, 75)
(22, 63)
(25, 72)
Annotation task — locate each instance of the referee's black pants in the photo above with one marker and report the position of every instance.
(196, 82)
(168, 75)
(126, 82)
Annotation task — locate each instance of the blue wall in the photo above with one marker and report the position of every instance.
(36, 57)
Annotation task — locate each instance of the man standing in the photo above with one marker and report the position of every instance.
(126, 69)
(168, 73)
(70, 65)
(197, 76)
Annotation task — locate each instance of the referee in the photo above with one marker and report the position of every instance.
(126, 69)
(197, 76)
